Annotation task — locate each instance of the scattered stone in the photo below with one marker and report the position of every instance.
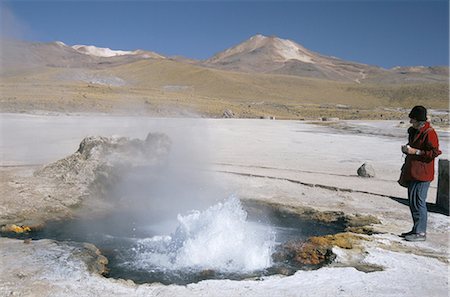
(228, 114)
(96, 262)
(366, 170)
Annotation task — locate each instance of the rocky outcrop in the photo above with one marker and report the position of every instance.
(99, 162)
(58, 189)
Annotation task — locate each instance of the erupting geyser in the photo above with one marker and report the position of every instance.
(219, 238)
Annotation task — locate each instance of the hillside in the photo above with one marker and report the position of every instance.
(56, 77)
(281, 56)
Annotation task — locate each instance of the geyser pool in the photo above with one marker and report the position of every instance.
(219, 239)
(227, 240)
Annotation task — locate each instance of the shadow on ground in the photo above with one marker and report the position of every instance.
(430, 206)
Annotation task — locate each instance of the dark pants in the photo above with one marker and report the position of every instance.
(417, 197)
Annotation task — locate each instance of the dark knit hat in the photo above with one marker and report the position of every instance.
(418, 113)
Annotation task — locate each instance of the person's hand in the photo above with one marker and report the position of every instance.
(413, 151)
(405, 149)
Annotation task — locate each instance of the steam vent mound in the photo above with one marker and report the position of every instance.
(58, 189)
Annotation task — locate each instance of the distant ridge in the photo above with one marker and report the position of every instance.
(16, 55)
(258, 54)
(281, 56)
(261, 77)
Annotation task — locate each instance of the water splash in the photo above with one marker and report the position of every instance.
(219, 238)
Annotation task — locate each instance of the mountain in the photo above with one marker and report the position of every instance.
(261, 54)
(282, 56)
(270, 48)
(16, 56)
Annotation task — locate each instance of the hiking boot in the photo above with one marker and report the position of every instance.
(407, 233)
(416, 237)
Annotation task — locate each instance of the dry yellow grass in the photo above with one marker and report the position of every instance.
(168, 87)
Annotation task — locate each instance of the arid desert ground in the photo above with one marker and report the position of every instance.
(296, 164)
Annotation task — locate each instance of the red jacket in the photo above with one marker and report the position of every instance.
(421, 167)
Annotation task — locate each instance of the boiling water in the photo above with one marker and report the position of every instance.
(219, 238)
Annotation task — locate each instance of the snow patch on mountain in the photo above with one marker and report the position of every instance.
(105, 52)
(101, 51)
(60, 43)
(291, 51)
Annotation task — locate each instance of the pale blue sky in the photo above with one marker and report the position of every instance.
(384, 33)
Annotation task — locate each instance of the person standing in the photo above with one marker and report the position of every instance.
(421, 150)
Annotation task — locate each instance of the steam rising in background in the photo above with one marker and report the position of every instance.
(12, 27)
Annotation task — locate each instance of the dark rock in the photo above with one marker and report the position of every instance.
(366, 170)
